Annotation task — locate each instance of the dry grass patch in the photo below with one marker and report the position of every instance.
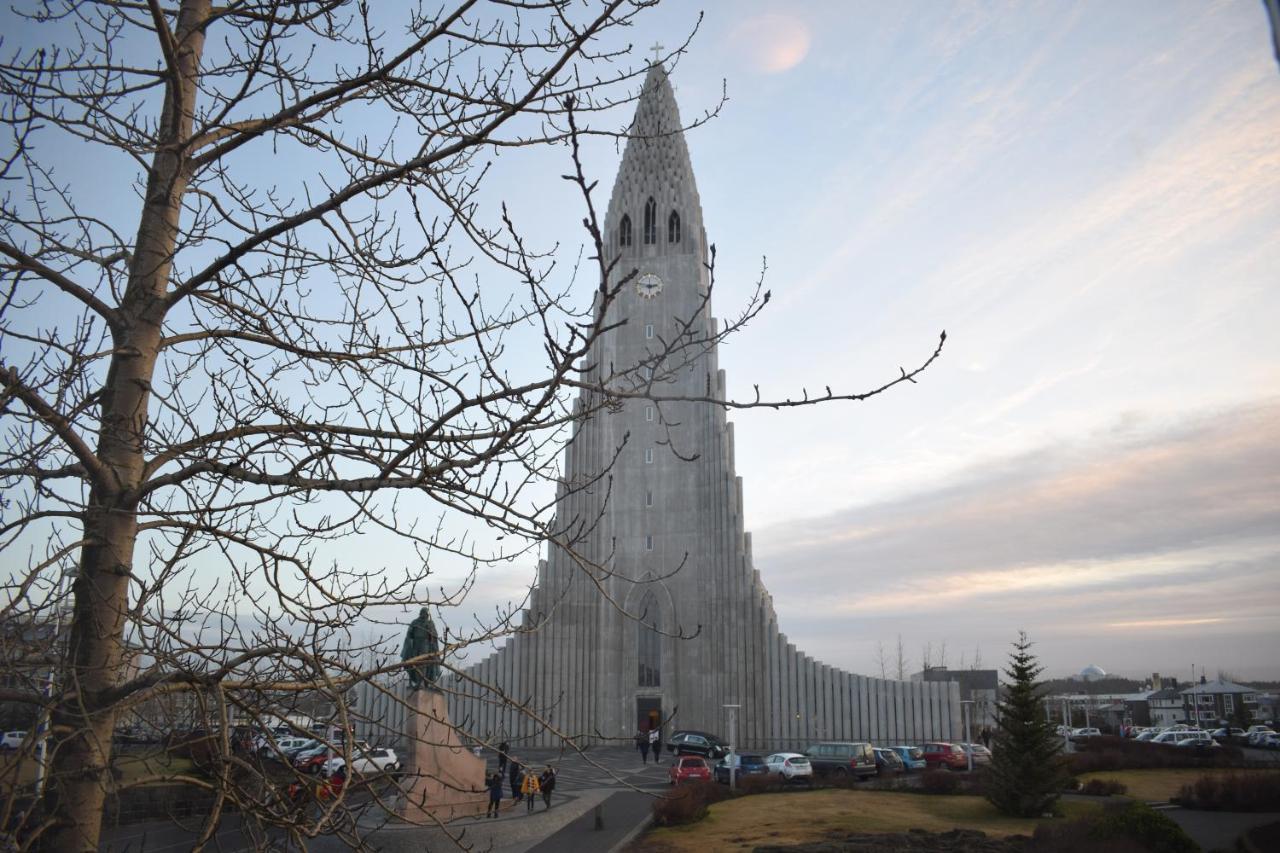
(1157, 786)
(791, 818)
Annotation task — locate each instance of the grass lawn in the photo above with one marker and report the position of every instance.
(791, 818)
(139, 765)
(1159, 785)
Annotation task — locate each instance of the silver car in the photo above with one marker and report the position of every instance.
(790, 767)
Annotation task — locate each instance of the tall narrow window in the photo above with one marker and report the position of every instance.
(649, 642)
(648, 498)
(648, 331)
(648, 455)
(650, 221)
(673, 227)
(648, 413)
(648, 542)
(624, 231)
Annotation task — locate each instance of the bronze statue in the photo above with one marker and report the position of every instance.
(422, 639)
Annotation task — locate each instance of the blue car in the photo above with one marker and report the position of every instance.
(912, 756)
(747, 765)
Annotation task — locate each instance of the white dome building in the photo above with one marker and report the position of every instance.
(1092, 672)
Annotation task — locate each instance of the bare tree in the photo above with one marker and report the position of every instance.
(882, 659)
(207, 386)
(901, 662)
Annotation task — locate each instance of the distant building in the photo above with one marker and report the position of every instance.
(1213, 701)
(1164, 707)
(980, 686)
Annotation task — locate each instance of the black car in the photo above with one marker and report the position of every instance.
(697, 743)
(842, 759)
(747, 765)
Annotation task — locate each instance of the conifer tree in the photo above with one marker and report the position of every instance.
(1026, 774)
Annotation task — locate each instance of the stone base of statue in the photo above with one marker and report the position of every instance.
(443, 780)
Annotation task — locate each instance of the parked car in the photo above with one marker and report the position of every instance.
(912, 756)
(12, 740)
(1148, 735)
(697, 743)
(365, 763)
(1169, 737)
(1225, 733)
(839, 758)
(1271, 741)
(947, 756)
(311, 761)
(1258, 735)
(283, 747)
(687, 767)
(790, 766)
(981, 755)
(745, 765)
(1198, 743)
(1087, 731)
(888, 761)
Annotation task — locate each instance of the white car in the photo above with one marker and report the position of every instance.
(1258, 735)
(283, 746)
(12, 740)
(1198, 743)
(366, 763)
(1086, 732)
(1170, 737)
(1271, 741)
(791, 766)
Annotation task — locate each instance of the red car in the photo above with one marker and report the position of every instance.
(949, 756)
(688, 767)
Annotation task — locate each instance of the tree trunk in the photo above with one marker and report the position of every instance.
(80, 775)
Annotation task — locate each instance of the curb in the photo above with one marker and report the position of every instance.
(635, 832)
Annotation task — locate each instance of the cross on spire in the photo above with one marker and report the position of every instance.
(657, 52)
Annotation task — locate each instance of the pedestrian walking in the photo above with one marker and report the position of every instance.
(516, 777)
(655, 744)
(529, 789)
(548, 782)
(642, 742)
(502, 757)
(986, 737)
(495, 795)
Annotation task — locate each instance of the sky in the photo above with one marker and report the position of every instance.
(1086, 198)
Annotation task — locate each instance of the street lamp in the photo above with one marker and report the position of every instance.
(733, 736)
(968, 741)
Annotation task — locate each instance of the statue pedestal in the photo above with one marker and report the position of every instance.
(443, 780)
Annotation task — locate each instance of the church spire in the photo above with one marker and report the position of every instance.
(655, 165)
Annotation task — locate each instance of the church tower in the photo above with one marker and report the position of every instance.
(655, 611)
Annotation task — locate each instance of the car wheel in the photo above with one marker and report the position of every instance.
(840, 772)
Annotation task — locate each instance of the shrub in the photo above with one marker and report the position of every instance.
(1117, 753)
(1128, 828)
(762, 784)
(939, 782)
(1103, 787)
(687, 803)
(1233, 792)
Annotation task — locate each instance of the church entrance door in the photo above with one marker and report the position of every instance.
(648, 712)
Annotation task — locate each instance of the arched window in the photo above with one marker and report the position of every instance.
(673, 227)
(649, 642)
(624, 231)
(650, 221)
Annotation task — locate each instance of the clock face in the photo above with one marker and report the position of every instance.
(649, 285)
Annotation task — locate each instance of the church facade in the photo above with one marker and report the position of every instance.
(656, 611)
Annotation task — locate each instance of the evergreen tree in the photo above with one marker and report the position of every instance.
(1026, 774)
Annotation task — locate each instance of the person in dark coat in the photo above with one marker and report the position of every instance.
(642, 743)
(548, 783)
(495, 794)
(502, 757)
(516, 776)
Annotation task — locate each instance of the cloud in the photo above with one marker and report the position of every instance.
(1169, 530)
(771, 43)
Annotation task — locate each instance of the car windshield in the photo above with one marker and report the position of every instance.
(691, 762)
(799, 761)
